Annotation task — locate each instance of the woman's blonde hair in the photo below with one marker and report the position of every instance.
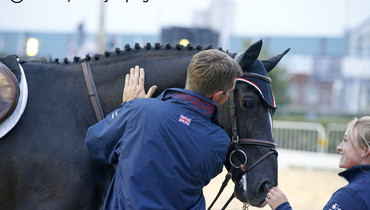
(360, 138)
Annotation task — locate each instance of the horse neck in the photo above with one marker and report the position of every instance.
(164, 68)
(56, 92)
(53, 77)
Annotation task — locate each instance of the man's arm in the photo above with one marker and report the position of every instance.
(105, 136)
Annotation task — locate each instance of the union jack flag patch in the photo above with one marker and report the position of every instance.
(185, 120)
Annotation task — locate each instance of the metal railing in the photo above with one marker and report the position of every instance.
(335, 133)
(307, 136)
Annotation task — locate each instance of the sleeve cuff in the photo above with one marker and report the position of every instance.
(284, 206)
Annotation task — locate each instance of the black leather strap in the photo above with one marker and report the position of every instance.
(93, 93)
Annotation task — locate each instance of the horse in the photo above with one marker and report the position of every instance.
(45, 163)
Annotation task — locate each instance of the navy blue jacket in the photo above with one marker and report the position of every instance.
(166, 150)
(354, 196)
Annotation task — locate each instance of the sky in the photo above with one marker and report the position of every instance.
(250, 17)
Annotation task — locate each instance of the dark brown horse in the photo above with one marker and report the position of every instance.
(44, 162)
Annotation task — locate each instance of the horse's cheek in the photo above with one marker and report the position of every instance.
(241, 189)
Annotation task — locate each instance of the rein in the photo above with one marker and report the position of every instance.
(237, 142)
(93, 93)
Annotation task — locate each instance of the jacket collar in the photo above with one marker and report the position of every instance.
(197, 101)
(355, 171)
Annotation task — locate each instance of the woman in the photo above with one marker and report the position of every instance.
(355, 152)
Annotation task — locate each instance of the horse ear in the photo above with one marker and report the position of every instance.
(272, 62)
(250, 55)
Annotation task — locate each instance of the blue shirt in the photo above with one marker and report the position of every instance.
(166, 150)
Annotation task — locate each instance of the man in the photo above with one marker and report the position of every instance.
(168, 148)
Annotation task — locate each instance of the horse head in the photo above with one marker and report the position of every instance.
(252, 158)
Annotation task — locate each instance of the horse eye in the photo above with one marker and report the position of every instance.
(247, 104)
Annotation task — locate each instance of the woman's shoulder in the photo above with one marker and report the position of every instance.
(346, 197)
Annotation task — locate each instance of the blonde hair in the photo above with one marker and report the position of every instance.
(210, 71)
(361, 138)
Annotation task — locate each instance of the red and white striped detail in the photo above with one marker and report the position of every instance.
(258, 89)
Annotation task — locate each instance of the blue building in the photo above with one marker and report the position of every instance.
(60, 45)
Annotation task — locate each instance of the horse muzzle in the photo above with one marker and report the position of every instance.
(241, 189)
(241, 192)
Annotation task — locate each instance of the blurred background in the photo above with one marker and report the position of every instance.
(320, 85)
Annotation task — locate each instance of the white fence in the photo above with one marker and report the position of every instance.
(309, 137)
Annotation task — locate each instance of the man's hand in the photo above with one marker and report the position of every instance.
(134, 85)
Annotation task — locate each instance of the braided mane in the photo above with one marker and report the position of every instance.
(129, 49)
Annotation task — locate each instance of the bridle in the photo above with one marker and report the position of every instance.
(91, 88)
(236, 141)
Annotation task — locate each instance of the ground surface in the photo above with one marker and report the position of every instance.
(307, 187)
